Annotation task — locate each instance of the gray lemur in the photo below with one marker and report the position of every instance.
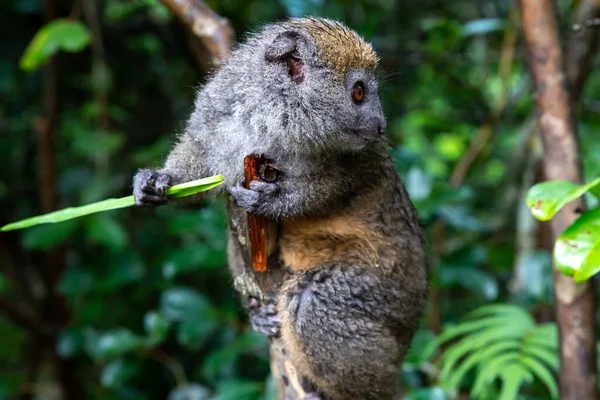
(304, 93)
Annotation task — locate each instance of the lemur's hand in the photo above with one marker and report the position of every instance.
(150, 188)
(257, 197)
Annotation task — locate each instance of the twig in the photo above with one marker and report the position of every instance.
(174, 366)
(582, 45)
(574, 302)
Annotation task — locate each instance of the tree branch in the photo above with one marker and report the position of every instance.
(212, 31)
(574, 302)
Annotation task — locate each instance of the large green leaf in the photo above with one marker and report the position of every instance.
(60, 34)
(546, 198)
(182, 190)
(577, 250)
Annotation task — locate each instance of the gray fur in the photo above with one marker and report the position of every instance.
(354, 320)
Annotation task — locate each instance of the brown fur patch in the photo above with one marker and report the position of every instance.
(341, 48)
(348, 235)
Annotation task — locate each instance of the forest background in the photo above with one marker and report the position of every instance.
(138, 304)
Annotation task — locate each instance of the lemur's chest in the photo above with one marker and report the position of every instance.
(306, 244)
(349, 234)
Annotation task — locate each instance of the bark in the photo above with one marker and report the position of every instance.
(574, 302)
(265, 285)
(264, 277)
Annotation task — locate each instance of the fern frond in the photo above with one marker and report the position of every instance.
(489, 353)
(502, 342)
(542, 372)
(513, 377)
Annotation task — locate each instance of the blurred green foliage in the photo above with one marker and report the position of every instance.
(150, 309)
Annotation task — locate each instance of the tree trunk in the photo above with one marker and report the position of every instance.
(574, 302)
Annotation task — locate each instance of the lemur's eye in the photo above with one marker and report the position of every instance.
(358, 92)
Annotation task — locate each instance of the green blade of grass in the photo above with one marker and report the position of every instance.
(182, 190)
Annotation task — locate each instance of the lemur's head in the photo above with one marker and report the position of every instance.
(325, 74)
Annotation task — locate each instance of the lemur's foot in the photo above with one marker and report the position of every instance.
(150, 188)
(259, 194)
(264, 318)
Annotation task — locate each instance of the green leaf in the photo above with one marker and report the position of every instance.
(546, 198)
(576, 250)
(239, 390)
(513, 377)
(222, 358)
(491, 371)
(478, 281)
(545, 335)
(506, 310)
(483, 26)
(197, 317)
(114, 343)
(191, 391)
(550, 357)
(60, 34)
(541, 371)
(480, 340)
(190, 258)
(117, 372)
(195, 333)
(432, 393)
(156, 326)
(499, 341)
(590, 265)
(534, 272)
(182, 190)
(179, 304)
(107, 231)
(480, 356)
(70, 342)
(418, 351)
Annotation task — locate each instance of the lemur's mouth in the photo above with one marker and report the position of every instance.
(362, 134)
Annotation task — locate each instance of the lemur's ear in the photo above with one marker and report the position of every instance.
(284, 49)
